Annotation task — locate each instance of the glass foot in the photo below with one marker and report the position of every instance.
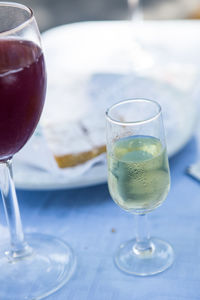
(49, 266)
(157, 259)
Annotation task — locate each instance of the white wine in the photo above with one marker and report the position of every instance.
(138, 173)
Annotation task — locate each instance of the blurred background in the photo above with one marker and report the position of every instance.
(50, 13)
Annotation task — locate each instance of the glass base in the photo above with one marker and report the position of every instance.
(155, 260)
(49, 266)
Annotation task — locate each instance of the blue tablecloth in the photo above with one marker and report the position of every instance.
(94, 226)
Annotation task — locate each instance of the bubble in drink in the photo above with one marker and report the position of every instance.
(138, 173)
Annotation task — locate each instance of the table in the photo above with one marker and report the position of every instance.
(94, 226)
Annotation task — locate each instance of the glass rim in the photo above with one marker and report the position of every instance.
(117, 122)
(24, 23)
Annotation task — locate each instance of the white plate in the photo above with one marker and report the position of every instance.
(101, 48)
(34, 179)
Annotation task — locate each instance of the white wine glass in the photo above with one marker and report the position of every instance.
(33, 265)
(138, 179)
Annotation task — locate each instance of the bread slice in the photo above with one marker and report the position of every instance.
(71, 160)
(75, 142)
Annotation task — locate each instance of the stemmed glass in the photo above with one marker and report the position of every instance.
(135, 9)
(141, 57)
(138, 179)
(36, 265)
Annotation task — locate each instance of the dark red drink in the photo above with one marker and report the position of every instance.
(22, 93)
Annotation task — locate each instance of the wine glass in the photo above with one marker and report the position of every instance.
(138, 179)
(135, 9)
(140, 52)
(36, 265)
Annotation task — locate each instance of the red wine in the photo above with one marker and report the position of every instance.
(22, 93)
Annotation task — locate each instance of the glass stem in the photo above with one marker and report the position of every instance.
(19, 247)
(143, 243)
